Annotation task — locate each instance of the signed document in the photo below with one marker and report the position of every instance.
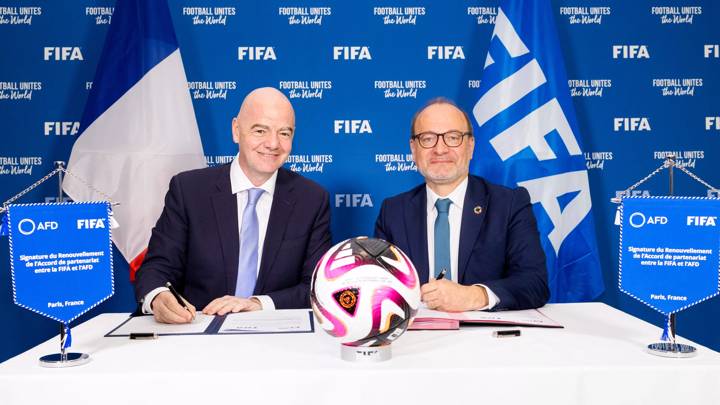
(431, 319)
(292, 320)
(277, 321)
(148, 324)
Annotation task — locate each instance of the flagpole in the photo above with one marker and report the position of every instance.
(60, 166)
(671, 166)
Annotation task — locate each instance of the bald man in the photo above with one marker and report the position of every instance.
(475, 244)
(239, 237)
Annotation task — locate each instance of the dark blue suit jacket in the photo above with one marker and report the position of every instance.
(500, 247)
(195, 242)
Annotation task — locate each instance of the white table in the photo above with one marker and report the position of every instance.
(599, 358)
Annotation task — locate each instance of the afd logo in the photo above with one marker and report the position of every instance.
(701, 221)
(630, 52)
(712, 51)
(63, 53)
(256, 53)
(638, 220)
(445, 52)
(353, 200)
(631, 124)
(351, 53)
(712, 123)
(352, 127)
(92, 223)
(27, 226)
(61, 128)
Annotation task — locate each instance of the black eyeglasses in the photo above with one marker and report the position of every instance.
(452, 139)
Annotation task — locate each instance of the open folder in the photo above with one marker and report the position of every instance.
(428, 319)
(277, 321)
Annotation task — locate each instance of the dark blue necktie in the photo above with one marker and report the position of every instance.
(442, 237)
(248, 259)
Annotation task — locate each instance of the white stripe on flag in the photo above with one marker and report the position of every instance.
(133, 149)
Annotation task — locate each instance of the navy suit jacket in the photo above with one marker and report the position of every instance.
(499, 247)
(195, 243)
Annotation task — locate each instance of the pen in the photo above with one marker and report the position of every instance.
(506, 333)
(178, 297)
(143, 335)
(441, 275)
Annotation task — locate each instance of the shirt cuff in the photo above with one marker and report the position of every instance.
(266, 302)
(493, 299)
(149, 297)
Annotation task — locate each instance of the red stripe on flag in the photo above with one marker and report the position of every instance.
(136, 263)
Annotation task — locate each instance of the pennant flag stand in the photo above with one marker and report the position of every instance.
(61, 259)
(666, 277)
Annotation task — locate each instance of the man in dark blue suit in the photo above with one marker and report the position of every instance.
(243, 236)
(475, 244)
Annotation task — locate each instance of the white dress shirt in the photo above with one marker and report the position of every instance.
(239, 185)
(457, 198)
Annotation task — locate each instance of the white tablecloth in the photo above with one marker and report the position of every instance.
(599, 358)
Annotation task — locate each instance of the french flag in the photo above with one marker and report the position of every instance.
(138, 128)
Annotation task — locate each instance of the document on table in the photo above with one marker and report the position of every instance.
(277, 321)
(267, 322)
(431, 319)
(148, 324)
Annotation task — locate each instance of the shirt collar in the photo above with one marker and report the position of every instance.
(240, 182)
(457, 196)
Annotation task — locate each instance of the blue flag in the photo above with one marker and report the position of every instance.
(527, 135)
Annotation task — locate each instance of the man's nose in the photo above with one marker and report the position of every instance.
(440, 147)
(272, 141)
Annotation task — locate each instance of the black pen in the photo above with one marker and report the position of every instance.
(441, 275)
(178, 297)
(143, 335)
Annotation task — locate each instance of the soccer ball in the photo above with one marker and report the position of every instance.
(365, 292)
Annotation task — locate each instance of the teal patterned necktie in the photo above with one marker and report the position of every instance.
(442, 237)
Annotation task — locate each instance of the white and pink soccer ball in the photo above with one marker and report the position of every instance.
(365, 292)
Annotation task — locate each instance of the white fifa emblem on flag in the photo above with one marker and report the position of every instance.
(530, 132)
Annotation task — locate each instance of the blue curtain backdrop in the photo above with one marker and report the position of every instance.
(643, 78)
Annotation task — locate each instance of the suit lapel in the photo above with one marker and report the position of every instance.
(475, 200)
(280, 213)
(416, 232)
(224, 204)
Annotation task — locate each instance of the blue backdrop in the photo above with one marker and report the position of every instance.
(643, 77)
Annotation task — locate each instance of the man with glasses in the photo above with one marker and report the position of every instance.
(474, 244)
(239, 237)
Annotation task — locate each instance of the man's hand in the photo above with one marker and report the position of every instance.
(445, 295)
(166, 309)
(229, 303)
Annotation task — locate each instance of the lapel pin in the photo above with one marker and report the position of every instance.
(477, 210)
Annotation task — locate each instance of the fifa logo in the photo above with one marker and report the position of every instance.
(701, 221)
(92, 223)
(445, 52)
(353, 200)
(712, 123)
(62, 53)
(631, 124)
(632, 193)
(256, 53)
(630, 52)
(712, 51)
(351, 53)
(352, 127)
(61, 128)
